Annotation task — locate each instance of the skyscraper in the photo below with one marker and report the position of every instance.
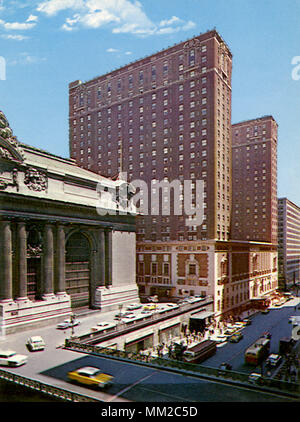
(289, 240)
(167, 118)
(254, 181)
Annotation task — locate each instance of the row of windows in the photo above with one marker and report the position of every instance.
(106, 89)
(253, 129)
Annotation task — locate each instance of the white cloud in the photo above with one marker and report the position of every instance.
(170, 30)
(115, 50)
(174, 19)
(26, 59)
(52, 7)
(15, 37)
(123, 16)
(32, 18)
(18, 26)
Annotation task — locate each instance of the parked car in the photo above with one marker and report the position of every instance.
(172, 305)
(229, 331)
(265, 311)
(91, 376)
(239, 324)
(134, 306)
(220, 339)
(35, 343)
(235, 338)
(149, 307)
(273, 360)
(121, 315)
(12, 358)
(128, 318)
(183, 301)
(102, 326)
(225, 366)
(105, 324)
(247, 321)
(255, 378)
(67, 323)
(267, 334)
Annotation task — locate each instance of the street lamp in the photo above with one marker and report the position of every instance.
(120, 306)
(72, 320)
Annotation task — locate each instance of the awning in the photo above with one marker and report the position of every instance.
(202, 315)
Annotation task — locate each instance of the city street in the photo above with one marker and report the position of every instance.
(275, 322)
(137, 383)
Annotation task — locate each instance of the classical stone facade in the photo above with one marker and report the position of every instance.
(64, 242)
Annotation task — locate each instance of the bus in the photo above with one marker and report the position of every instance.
(199, 352)
(258, 351)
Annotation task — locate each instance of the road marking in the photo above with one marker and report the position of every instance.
(129, 387)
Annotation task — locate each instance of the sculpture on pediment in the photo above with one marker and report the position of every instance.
(10, 148)
(4, 153)
(35, 179)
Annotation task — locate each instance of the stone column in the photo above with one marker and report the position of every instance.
(48, 261)
(108, 257)
(5, 262)
(22, 261)
(101, 257)
(60, 260)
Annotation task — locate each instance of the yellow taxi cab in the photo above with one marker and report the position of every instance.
(90, 376)
(149, 307)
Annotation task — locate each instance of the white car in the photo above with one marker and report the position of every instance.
(67, 324)
(172, 305)
(102, 326)
(11, 358)
(239, 324)
(147, 312)
(220, 339)
(273, 360)
(128, 318)
(35, 343)
(255, 378)
(106, 324)
(134, 306)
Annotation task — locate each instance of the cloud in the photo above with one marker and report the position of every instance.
(115, 50)
(122, 16)
(174, 19)
(32, 18)
(170, 30)
(15, 37)
(26, 59)
(52, 7)
(18, 26)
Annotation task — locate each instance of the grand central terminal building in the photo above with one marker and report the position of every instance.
(66, 238)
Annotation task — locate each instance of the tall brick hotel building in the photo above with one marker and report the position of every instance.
(168, 117)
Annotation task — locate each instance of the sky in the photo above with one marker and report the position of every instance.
(45, 45)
